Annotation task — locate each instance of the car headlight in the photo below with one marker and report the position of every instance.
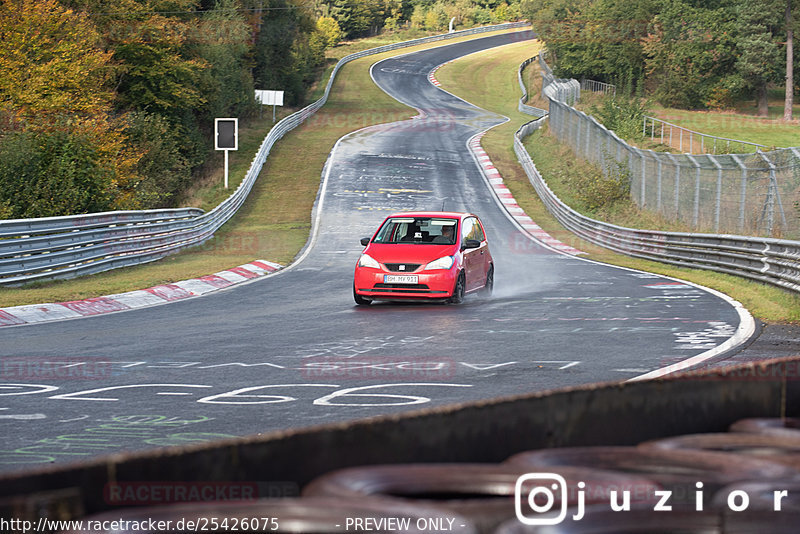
(368, 261)
(442, 263)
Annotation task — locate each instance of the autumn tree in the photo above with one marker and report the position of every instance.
(52, 61)
(64, 153)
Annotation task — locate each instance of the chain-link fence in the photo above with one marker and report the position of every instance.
(755, 193)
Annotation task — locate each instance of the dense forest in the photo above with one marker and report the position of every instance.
(109, 104)
(684, 53)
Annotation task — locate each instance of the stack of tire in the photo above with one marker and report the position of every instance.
(746, 480)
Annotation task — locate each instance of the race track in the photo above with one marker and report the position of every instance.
(293, 350)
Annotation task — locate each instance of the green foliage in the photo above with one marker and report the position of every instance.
(691, 54)
(685, 53)
(163, 167)
(330, 31)
(51, 60)
(598, 191)
(133, 86)
(585, 186)
(154, 74)
(624, 116)
(55, 173)
(222, 43)
(287, 51)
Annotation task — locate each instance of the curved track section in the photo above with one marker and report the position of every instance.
(293, 350)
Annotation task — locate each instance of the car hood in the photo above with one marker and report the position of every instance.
(421, 254)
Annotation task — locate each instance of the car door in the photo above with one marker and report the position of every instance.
(473, 258)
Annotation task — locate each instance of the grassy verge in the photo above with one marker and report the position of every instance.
(765, 131)
(275, 221)
(489, 81)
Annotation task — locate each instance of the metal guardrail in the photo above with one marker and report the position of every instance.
(65, 247)
(773, 261)
(665, 132)
(599, 87)
(559, 89)
(523, 107)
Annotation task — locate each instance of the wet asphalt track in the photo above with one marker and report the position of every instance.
(293, 350)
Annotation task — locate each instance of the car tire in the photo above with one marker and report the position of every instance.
(673, 469)
(483, 493)
(489, 286)
(361, 301)
(781, 449)
(789, 426)
(458, 290)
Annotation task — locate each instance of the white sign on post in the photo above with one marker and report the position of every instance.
(270, 98)
(226, 137)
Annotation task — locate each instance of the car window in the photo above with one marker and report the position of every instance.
(471, 229)
(477, 231)
(466, 228)
(417, 231)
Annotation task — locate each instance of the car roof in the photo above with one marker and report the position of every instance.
(447, 214)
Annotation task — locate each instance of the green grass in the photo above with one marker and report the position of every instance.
(275, 221)
(489, 80)
(770, 132)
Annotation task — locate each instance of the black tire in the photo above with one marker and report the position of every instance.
(676, 470)
(361, 301)
(489, 287)
(483, 493)
(458, 290)
(778, 448)
(789, 426)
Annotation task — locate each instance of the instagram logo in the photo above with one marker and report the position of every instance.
(541, 498)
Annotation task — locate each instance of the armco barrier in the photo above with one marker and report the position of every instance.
(523, 107)
(773, 261)
(485, 431)
(65, 247)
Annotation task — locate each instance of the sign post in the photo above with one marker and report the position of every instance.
(267, 98)
(226, 137)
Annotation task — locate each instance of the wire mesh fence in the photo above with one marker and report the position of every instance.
(750, 193)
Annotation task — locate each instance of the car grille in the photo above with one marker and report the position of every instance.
(401, 286)
(406, 267)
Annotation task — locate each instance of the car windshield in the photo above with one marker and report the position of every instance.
(418, 231)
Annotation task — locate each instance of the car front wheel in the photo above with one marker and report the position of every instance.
(458, 290)
(361, 301)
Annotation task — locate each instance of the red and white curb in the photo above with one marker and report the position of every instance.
(432, 74)
(510, 203)
(38, 313)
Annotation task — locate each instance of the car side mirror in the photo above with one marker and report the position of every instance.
(470, 243)
(365, 241)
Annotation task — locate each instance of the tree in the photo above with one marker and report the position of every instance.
(759, 57)
(52, 61)
(690, 55)
(330, 30)
(221, 41)
(789, 99)
(46, 174)
(155, 75)
(54, 88)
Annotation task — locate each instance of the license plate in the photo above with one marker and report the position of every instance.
(400, 279)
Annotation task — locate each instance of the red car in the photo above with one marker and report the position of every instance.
(423, 256)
